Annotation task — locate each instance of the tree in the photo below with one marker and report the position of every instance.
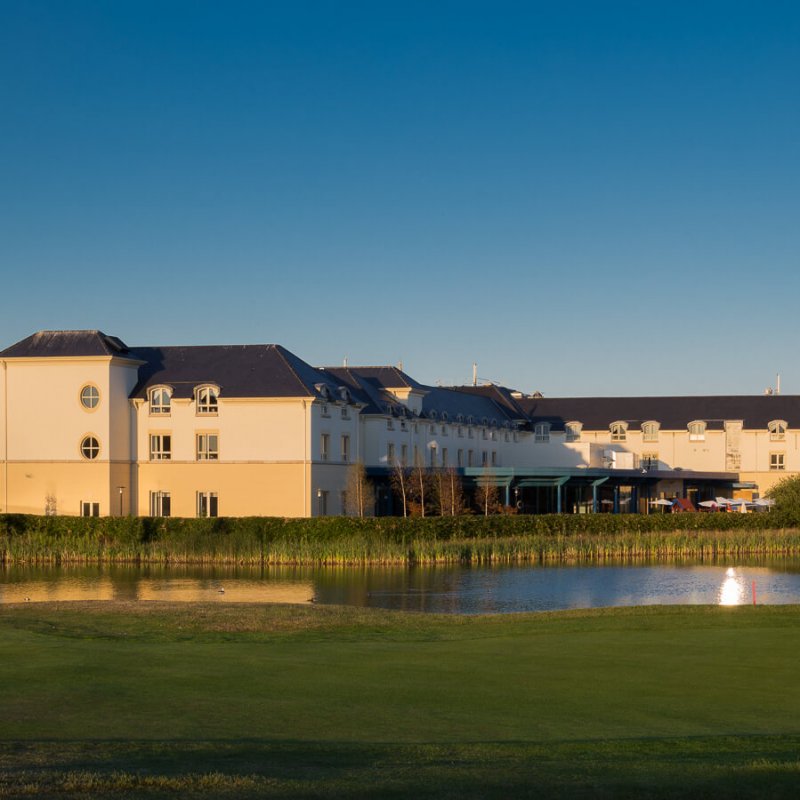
(401, 483)
(449, 492)
(360, 493)
(786, 494)
(419, 488)
(487, 495)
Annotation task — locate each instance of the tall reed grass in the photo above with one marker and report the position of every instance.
(392, 540)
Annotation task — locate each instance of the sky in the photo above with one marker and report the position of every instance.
(585, 198)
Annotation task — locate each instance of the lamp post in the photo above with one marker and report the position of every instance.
(121, 489)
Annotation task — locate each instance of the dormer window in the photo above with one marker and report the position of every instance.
(160, 401)
(777, 430)
(542, 432)
(206, 398)
(697, 431)
(619, 431)
(650, 431)
(573, 430)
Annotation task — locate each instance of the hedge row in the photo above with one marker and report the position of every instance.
(26, 538)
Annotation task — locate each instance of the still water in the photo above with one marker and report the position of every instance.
(452, 589)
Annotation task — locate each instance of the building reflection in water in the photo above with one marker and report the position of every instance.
(733, 591)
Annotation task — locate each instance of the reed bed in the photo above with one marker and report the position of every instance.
(392, 540)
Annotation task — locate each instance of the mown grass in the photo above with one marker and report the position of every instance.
(393, 540)
(158, 700)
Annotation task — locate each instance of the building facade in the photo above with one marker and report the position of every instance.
(90, 426)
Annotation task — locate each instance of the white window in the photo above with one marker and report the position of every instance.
(207, 402)
(345, 447)
(390, 424)
(470, 458)
(404, 454)
(777, 461)
(90, 396)
(432, 429)
(159, 504)
(390, 453)
(324, 446)
(572, 431)
(433, 456)
(777, 430)
(444, 456)
(507, 436)
(403, 426)
(470, 433)
(697, 431)
(207, 504)
(345, 414)
(484, 458)
(494, 458)
(484, 433)
(619, 431)
(90, 447)
(90, 509)
(324, 410)
(650, 431)
(542, 432)
(207, 446)
(444, 430)
(160, 446)
(460, 431)
(460, 458)
(160, 401)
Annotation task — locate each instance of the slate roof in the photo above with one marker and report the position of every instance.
(673, 413)
(456, 402)
(385, 377)
(65, 344)
(252, 370)
(500, 395)
(366, 389)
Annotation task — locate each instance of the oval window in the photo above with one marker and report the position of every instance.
(90, 447)
(90, 396)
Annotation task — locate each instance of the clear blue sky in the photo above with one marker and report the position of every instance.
(583, 197)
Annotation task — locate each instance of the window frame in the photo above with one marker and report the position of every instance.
(777, 430)
(82, 396)
(89, 447)
(161, 408)
(777, 461)
(618, 431)
(208, 502)
(206, 453)
(206, 400)
(156, 449)
(697, 430)
(650, 430)
(541, 432)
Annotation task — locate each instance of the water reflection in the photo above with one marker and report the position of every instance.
(442, 589)
(732, 592)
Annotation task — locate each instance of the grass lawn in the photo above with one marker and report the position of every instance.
(157, 700)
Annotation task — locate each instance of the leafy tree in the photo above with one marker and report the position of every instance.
(786, 494)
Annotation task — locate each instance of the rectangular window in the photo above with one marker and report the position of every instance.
(470, 433)
(444, 430)
(390, 454)
(207, 446)
(444, 456)
(322, 502)
(433, 456)
(484, 458)
(404, 455)
(777, 460)
(470, 458)
(460, 431)
(207, 504)
(160, 446)
(324, 410)
(403, 426)
(324, 446)
(343, 501)
(484, 434)
(416, 455)
(494, 458)
(159, 504)
(389, 424)
(649, 461)
(345, 447)
(90, 509)
(460, 456)
(345, 413)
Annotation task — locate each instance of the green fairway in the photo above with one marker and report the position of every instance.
(151, 699)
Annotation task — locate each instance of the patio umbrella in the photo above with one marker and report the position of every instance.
(708, 504)
(661, 502)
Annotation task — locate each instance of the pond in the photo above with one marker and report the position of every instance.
(451, 589)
